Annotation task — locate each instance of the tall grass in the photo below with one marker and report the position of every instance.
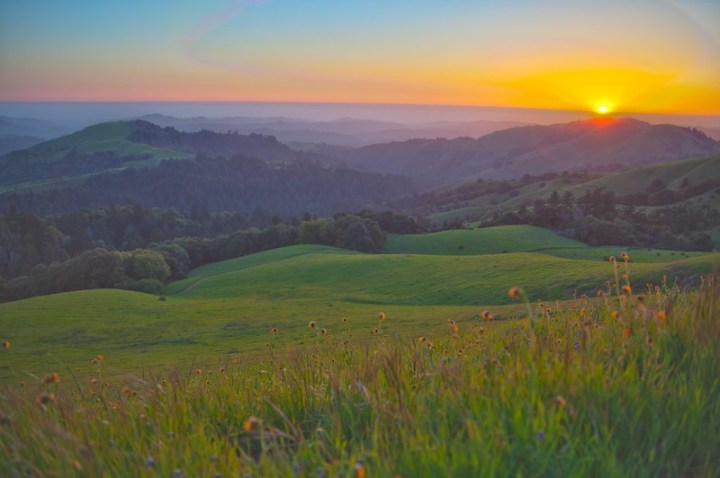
(623, 385)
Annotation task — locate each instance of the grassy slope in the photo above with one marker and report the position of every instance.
(696, 170)
(98, 138)
(580, 392)
(227, 308)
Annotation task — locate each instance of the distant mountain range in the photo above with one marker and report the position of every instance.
(111, 162)
(342, 132)
(141, 163)
(601, 144)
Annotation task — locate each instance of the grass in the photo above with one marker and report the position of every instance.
(223, 310)
(611, 387)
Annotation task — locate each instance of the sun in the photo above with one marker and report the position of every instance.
(602, 109)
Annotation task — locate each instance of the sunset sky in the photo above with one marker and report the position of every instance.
(625, 56)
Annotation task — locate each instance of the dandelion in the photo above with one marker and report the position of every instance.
(312, 324)
(381, 316)
(421, 340)
(6, 344)
(274, 330)
(251, 423)
(514, 292)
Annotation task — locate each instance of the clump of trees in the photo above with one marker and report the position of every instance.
(597, 219)
(60, 254)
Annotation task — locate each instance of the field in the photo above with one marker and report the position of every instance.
(612, 387)
(223, 311)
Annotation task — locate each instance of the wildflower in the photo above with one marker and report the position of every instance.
(461, 352)
(421, 340)
(100, 358)
(344, 320)
(627, 289)
(490, 317)
(451, 322)
(455, 329)
(93, 381)
(625, 256)
(198, 371)
(312, 324)
(44, 398)
(661, 316)
(150, 462)
(482, 331)
(648, 341)
(22, 383)
(612, 259)
(94, 361)
(548, 310)
(274, 330)
(323, 331)
(127, 391)
(614, 314)
(485, 314)
(627, 332)
(251, 423)
(562, 403)
(381, 316)
(51, 378)
(222, 369)
(430, 345)
(6, 344)
(514, 292)
(540, 436)
(576, 346)
(360, 471)
(375, 331)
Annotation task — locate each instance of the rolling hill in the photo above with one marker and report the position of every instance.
(598, 144)
(128, 162)
(225, 310)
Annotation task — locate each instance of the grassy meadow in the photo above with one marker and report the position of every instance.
(223, 374)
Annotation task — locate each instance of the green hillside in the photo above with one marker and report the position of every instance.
(224, 311)
(492, 240)
(71, 159)
(672, 173)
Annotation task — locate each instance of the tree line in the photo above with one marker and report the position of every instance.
(91, 249)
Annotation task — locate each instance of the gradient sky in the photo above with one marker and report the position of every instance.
(629, 55)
